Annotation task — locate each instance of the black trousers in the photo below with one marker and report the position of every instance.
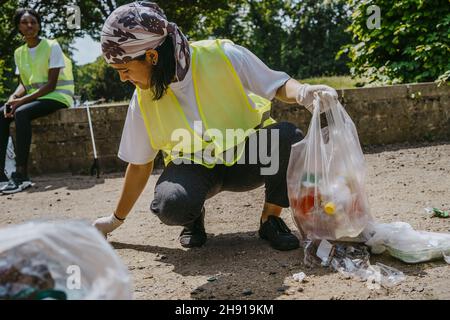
(182, 189)
(23, 117)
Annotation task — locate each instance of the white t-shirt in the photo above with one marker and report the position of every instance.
(56, 59)
(255, 76)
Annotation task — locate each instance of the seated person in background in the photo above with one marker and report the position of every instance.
(46, 85)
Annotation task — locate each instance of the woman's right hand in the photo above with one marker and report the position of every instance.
(8, 106)
(107, 224)
(7, 110)
(136, 178)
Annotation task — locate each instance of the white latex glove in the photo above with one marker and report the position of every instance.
(107, 224)
(305, 94)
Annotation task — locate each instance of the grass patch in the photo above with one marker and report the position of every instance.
(337, 82)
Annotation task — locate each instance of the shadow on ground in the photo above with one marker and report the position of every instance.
(72, 182)
(240, 261)
(68, 182)
(245, 267)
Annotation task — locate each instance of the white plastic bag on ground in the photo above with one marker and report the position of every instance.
(10, 162)
(407, 244)
(326, 176)
(70, 257)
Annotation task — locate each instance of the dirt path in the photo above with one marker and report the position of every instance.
(402, 181)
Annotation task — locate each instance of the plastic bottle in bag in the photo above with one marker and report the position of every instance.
(307, 197)
(338, 198)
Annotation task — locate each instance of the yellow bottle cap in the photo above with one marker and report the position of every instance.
(330, 208)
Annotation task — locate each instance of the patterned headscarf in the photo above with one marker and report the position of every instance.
(134, 28)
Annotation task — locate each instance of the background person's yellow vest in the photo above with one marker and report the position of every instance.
(222, 104)
(34, 72)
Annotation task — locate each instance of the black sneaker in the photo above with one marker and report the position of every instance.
(278, 234)
(194, 235)
(16, 184)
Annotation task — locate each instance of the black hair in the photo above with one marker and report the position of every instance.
(21, 12)
(164, 71)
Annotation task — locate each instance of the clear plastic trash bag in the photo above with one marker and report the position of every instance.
(326, 176)
(60, 260)
(352, 261)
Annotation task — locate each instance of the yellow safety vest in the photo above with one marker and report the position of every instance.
(34, 72)
(222, 104)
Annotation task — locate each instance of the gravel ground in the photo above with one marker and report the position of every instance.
(235, 263)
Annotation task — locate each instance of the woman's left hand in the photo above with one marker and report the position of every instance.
(15, 103)
(305, 95)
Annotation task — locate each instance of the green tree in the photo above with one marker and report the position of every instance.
(9, 40)
(300, 37)
(411, 45)
(316, 38)
(97, 80)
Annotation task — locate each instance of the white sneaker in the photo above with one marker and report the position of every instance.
(16, 184)
(3, 184)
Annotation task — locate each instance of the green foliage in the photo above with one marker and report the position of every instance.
(300, 37)
(337, 82)
(97, 80)
(8, 43)
(411, 45)
(2, 78)
(318, 36)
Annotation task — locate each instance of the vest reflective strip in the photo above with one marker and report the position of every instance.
(68, 92)
(59, 83)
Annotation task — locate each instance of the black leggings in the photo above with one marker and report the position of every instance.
(182, 189)
(23, 117)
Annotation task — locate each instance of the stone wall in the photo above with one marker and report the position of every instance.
(383, 115)
(386, 115)
(62, 142)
